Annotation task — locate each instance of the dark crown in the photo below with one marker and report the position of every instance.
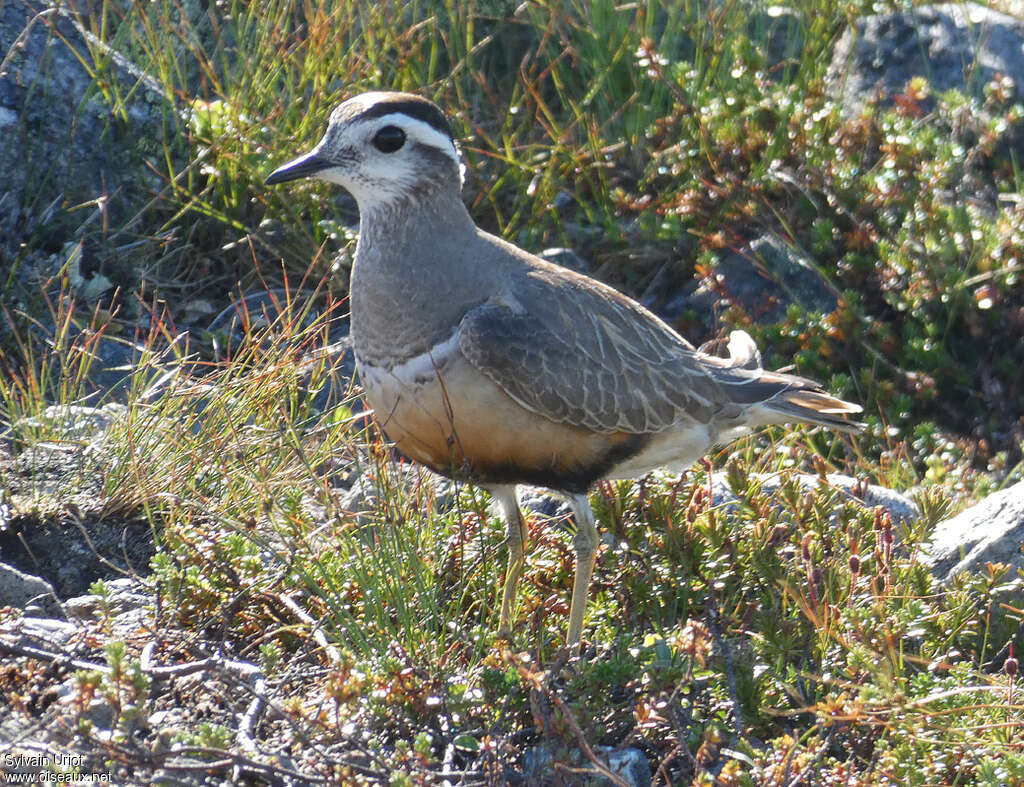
(411, 105)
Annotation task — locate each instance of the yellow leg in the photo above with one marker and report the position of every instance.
(505, 497)
(585, 543)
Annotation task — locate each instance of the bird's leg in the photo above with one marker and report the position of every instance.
(585, 542)
(505, 497)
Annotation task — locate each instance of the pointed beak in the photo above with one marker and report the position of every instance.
(302, 167)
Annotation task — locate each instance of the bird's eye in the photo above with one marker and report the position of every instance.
(389, 139)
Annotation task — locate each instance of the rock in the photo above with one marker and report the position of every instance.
(18, 589)
(257, 311)
(65, 470)
(75, 422)
(567, 258)
(952, 46)
(73, 552)
(65, 142)
(57, 633)
(628, 764)
(408, 479)
(121, 597)
(991, 531)
(764, 278)
(540, 501)
(563, 199)
(114, 361)
(99, 712)
(901, 508)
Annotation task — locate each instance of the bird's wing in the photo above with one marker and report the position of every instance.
(583, 354)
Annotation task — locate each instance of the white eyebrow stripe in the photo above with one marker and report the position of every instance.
(420, 131)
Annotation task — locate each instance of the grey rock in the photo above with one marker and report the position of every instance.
(123, 596)
(114, 361)
(537, 764)
(991, 531)
(952, 45)
(65, 143)
(541, 502)
(902, 509)
(364, 495)
(62, 469)
(100, 713)
(74, 422)
(764, 278)
(126, 606)
(554, 509)
(567, 258)
(563, 199)
(629, 765)
(18, 589)
(263, 308)
(48, 630)
(256, 311)
(167, 718)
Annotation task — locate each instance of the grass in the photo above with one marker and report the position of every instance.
(796, 638)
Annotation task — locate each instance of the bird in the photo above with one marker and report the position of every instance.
(486, 363)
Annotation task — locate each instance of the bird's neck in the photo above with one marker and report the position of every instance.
(408, 221)
(414, 267)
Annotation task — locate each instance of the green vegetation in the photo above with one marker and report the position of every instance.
(795, 638)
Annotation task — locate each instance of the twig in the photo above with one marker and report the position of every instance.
(248, 721)
(542, 690)
(248, 676)
(247, 724)
(677, 723)
(448, 762)
(333, 654)
(23, 36)
(242, 669)
(163, 759)
(601, 768)
(662, 772)
(17, 649)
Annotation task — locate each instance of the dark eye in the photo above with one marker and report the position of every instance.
(389, 139)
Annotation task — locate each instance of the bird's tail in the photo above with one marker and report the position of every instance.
(775, 397)
(814, 406)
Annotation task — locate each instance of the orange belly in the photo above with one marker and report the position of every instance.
(457, 422)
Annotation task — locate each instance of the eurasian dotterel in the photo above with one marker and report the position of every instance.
(485, 362)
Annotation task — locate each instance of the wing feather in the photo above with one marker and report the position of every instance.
(585, 355)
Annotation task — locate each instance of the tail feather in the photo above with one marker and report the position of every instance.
(776, 397)
(815, 407)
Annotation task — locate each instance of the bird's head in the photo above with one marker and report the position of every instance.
(383, 147)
